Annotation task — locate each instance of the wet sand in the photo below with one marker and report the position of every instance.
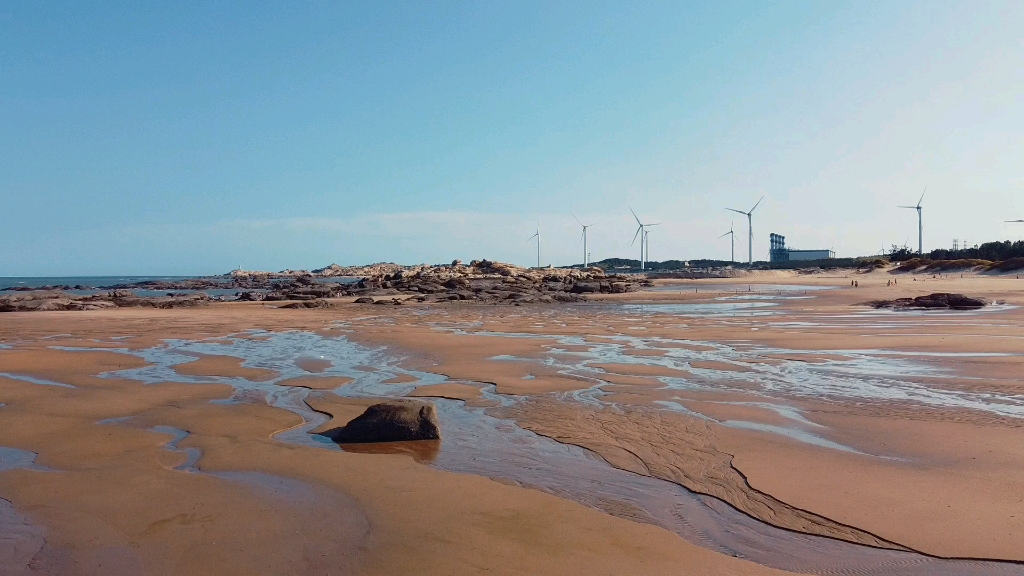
(113, 502)
(864, 428)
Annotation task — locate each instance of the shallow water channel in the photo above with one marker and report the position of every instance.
(477, 443)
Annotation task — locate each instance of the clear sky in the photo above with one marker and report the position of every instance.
(153, 138)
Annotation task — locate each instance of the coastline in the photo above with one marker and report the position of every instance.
(963, 486)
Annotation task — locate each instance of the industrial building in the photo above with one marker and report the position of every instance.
(779, 252)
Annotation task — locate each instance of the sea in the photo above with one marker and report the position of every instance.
(95, 282)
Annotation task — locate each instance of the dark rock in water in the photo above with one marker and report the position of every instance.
(937, 301)
(390, 421)
(251, 296)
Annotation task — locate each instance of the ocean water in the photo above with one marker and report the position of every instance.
(92, 281)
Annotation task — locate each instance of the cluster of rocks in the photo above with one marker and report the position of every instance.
(488, 282)
(39, 301)
(936, 301)
(480, 281)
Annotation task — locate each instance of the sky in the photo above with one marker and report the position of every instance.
(176, 138)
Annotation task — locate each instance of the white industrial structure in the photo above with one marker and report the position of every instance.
(779, 252)
(811, 254)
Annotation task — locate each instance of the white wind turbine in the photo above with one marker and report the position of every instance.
(1015, 221)
(732, 241)
(644, 243)
(920, 227)
(537, 236)
(585, 226)
(750, 228)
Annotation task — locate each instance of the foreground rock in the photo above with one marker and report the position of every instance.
(937, 301)
(390, 421)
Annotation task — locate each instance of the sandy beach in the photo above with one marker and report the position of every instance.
(738, 426)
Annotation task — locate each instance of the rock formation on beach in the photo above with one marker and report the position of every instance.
(390, 421)
(939, 300)
(479, 281)
(55, 301)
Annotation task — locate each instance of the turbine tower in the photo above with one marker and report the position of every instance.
(732, 241)
(750, 229)
(920, 227)
(537, 236)
(644, 244)
(585, 226)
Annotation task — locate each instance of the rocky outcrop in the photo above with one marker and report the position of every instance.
(390, 421)
(481, 281)
(491, 282)
(937, 301)
(58, 301)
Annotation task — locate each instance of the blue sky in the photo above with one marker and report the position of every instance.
(156, 138)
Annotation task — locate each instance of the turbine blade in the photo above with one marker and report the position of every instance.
(755, 205)
(577, 219)
(726, 234)
(922, 197)
(911, 207)
(1014, 220)
(637, 234)
(637, 217)
(737, 211)
(655, 224)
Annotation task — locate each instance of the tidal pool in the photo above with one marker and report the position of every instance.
(477, 443)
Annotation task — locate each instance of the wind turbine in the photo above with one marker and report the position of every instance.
(537, 236)
(732, 240)
(585, 226)
(750, 228)
(920, 227)
(644, 244)
(1016, 221)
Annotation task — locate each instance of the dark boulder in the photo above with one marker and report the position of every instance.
(364, 300)
(251, 296)
(390, 421)
(937, 301)
(954, 301)
(585, 287)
